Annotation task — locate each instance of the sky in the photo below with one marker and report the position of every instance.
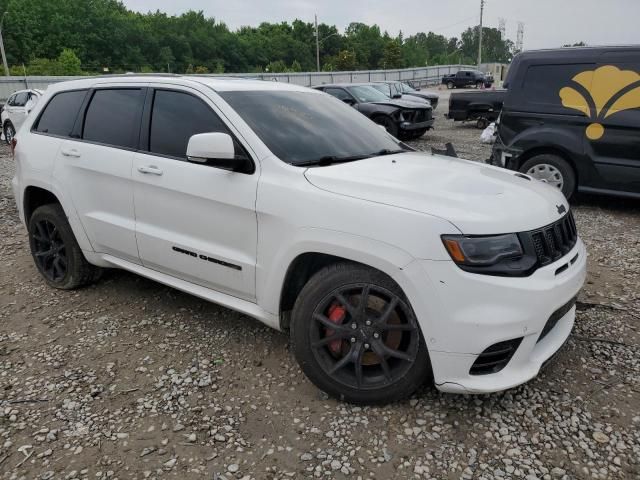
(547, 23)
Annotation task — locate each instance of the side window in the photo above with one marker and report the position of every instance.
(21, 99)
(542, 85)
(339, 93)
(175, 118)
(59, 115)
(113, 117)
(11, 100)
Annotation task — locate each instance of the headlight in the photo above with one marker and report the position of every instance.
(482, 251)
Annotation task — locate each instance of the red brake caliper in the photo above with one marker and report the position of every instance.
(336, 315)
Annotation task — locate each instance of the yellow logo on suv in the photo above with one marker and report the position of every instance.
(610, 90)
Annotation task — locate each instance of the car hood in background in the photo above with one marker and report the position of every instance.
(476, 198)
(403, 104)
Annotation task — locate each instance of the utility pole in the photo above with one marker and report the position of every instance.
(317, 46)
(480, 34)
(4, 57)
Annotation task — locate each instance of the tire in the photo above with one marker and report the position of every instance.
(550, 168)
(388, 123)
(482, 123)
(479, 85)
(382, 379)
(450, 85)
(56, 252)
(9, 132)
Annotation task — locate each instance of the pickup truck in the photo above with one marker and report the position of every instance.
(467, 78)
(481, 107)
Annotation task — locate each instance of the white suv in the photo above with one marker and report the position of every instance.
(386, 265)
(15, 111)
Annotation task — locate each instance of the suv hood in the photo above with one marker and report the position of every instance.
(478, 199)
(403, 104)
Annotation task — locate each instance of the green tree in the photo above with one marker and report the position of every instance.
(392, 57)
(68, 63)
(346, 60)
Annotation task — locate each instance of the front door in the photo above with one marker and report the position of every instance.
(193, 221)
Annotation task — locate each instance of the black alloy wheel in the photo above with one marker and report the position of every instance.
(356, 336)
(55, 250)
(49, 251)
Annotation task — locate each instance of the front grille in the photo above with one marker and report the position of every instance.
(495, 358)
(555, 240)
(556, 316)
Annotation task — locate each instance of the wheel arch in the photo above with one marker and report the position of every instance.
(34, 197)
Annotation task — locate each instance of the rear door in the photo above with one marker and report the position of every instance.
(95, 167)
(616, 153)
(193, 221)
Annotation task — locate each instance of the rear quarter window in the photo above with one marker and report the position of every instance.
(541, 85)
(59, 115)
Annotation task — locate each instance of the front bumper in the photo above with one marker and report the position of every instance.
(503, 156)
(408, 127)
(462, 314)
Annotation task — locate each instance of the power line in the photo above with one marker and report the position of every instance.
(435, 30)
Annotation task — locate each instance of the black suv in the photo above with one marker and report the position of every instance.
(467, 78)
(572, 118)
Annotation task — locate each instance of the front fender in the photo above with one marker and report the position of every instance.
(376, 254)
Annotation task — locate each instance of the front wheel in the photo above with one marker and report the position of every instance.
(551, 169)
(56, 252)
(9, 132)
(450, 85)
(388, 123)
(356, 337)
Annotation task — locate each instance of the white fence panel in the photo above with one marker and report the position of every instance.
(421, 76)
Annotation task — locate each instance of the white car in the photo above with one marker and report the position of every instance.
(386, 265)
(15, 111)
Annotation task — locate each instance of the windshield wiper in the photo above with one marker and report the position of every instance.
(386, 151)
(331, 159)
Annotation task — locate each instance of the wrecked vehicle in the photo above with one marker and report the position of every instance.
(402, 119)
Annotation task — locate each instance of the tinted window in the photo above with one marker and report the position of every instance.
(177, 117)
(305, 126)
(21, 99)
(542, 83)
(340, 93)
(10, 101)
(113, 117)
(60, 113)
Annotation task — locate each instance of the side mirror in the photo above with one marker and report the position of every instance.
(349, 101)
(217, 150)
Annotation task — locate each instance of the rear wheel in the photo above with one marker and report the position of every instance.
(56, 252)
(551, 169)
(356, 337)
(482, 123)
(388, 123)
(9, 132)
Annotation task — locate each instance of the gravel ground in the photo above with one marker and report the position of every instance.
(129, 379)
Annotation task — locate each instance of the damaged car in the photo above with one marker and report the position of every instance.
(402, 119)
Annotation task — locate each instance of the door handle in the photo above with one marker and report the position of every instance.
(152, 169)
(70, 152)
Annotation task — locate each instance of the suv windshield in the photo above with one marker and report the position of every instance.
(366, 93)
(384, 88)
(406, 88)
(304, 127)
